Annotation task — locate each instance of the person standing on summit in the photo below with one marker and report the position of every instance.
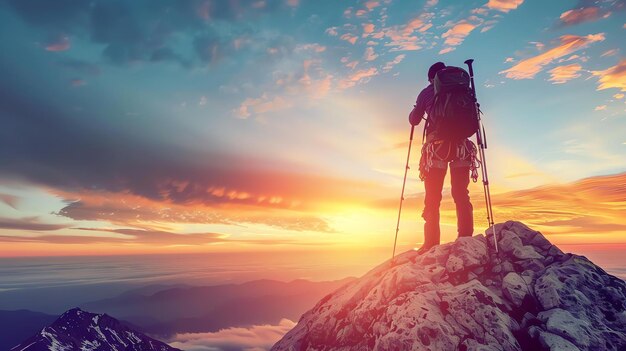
(446, 131)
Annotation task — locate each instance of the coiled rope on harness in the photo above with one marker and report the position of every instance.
(438, 153)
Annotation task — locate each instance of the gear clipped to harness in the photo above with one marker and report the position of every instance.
(454, 113)
(438, 153)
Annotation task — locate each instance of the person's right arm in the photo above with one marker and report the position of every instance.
(417, 114)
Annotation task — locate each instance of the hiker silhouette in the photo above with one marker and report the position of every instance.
(445, 147)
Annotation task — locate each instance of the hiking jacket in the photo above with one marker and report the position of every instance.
(423, 104)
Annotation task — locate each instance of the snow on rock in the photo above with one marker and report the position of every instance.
(83, 331)
(462, 296)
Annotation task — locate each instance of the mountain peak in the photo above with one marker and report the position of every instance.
(464, 296)
(76, 329)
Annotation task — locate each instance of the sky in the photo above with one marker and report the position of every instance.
(158, 126)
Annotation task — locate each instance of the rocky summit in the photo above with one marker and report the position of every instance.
(463, 296)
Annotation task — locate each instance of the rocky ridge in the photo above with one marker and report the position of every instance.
(462, 296)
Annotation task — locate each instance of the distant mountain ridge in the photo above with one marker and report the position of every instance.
(210, 308)
(80, 330)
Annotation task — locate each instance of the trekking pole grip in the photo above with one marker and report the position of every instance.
(469, 62)
(412, 130)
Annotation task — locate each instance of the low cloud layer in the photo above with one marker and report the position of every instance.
(255, 338)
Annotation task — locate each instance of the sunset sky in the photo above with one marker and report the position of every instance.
(159, 126)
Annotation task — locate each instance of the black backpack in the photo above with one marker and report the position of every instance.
(454, 113)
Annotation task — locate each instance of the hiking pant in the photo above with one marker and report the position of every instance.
(433, 182)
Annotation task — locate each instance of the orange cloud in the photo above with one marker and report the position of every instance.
(613, 77)
(404, 37)
(371, 4)
(504, 5)
(389, 65)
(357, 77)
(261, 105)
(370, 55)
(129, 210)
(590, 207)
(528, 68)
(455, 35)
(562, 74)
(126, 236)
(368, 28)
(350, 38)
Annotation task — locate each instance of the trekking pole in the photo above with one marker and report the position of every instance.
(481, 139)
(406, 170)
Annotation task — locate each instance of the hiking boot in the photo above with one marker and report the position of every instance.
(425, 248)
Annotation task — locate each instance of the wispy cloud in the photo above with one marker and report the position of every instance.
(528, 68)
(154, 238)
(29, 224)
(562, 74)
(580, 15)
(407, 37)
(350, 38)
(389, 65)
(611, 52)
(261, 105)
(456, 35)
(9, 200)
(590, 11)
(357, 77)
(370, 54)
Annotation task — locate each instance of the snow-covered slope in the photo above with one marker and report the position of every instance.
(83, 331)
(461, 296)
